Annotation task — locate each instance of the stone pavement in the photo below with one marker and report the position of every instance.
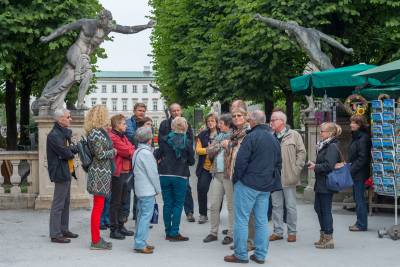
(24, 242)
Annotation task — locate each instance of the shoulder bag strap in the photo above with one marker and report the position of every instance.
(340, 153)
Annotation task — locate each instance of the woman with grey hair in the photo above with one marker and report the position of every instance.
(147, 186)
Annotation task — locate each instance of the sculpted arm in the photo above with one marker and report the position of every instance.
(133, 29)
(334, 43)
(63, 29)
(281, 25)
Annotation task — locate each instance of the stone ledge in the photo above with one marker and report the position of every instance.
(77, 202)
(22, 201)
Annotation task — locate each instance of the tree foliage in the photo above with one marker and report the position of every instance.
(215, 50)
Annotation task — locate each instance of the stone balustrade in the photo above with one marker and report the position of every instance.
(22, 169)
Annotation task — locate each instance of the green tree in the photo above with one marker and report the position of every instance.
(25, 64)
(215, 50)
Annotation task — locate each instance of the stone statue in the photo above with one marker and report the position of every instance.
(309, 40)
(77, 68)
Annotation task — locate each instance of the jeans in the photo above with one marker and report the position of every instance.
(188, 205)
(246, 199)
(105, 216)
(203, 185)
(280, 199)
(119, 190)
(98, 204)
(126, 203)
(323, 208)
(59, 214)
(361, 206)
(173, 191)
(145, 208)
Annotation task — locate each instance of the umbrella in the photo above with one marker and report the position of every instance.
(385, 73)
(370, 93)
(338, 82)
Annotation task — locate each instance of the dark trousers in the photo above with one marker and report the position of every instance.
(119, 190)
(203, 185)
(188, 205)
(126, 203)
(105, 215)
(59, 214)
(361, 205)
(323, 208)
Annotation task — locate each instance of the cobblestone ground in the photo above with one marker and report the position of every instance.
(24, 242)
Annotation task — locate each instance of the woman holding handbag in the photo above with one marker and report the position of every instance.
(359, 157)
(328, 155)
(147, 186)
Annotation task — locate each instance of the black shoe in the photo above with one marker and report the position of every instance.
(61, 240)
(125, 231)
(69, 234)
(103, 227)
(227, 240)
(190, 217)
(117, 235)
(210, 238)
(225, 232)
(253, 258)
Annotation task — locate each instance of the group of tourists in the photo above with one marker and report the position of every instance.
(243, 162)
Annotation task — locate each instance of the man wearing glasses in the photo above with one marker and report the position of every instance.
(60, 155)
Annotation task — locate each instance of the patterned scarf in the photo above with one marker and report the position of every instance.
(322, 143)
(230, 155)
(178, 142)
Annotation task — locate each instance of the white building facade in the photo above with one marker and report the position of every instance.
(121, 90)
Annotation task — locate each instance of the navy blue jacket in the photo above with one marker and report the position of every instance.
(258, 163)
(131, 127)
(360, 155)
(327, 157)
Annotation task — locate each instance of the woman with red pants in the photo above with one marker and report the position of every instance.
(99, 173)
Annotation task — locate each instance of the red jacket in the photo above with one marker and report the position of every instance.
(125, 150)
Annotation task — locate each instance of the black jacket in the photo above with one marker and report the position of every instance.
(327, 157)
(204, 137)
(258, 162)
(169, 164)
(59, 152)
(360, 155)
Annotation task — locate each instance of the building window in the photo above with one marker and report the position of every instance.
(114, 104)
(144, 89)
(155, 123)
(114, 88)
(155, 104)
(94, 101)
(145, 101)
(95, 90)
(124, 89)
(104, 89)
(155, 91)
(104, 101)
(124, 104)
(134, 101)
(134, 89)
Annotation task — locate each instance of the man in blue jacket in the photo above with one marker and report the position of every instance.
(256, 174)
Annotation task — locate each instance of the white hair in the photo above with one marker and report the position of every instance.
(60, 112)
(258, 116)
(280, 115)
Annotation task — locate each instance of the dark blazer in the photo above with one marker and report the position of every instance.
(204, 137)
(59, 152)
(258, 163)
(360, 155)
(327, 157)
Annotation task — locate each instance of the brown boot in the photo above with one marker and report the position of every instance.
(327, 243)
(321, 237)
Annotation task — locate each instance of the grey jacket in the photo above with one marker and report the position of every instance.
(147, 179)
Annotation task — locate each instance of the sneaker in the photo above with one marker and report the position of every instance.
(101, 245)
(227, 240)
(190, 217)
(203, 219)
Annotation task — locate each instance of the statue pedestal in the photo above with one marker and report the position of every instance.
(79, 196)
(312, 135)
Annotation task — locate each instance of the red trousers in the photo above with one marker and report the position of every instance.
(98, 205)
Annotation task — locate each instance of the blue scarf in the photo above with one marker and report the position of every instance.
(178, 142)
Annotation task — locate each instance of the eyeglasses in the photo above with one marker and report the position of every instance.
(237, 115)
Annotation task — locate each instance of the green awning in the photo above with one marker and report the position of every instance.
(338, 82)
(385, 73)
(371, 93)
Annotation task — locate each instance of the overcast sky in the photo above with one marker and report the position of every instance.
(127, 51)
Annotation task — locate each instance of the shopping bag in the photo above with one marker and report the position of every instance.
(154, 218)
